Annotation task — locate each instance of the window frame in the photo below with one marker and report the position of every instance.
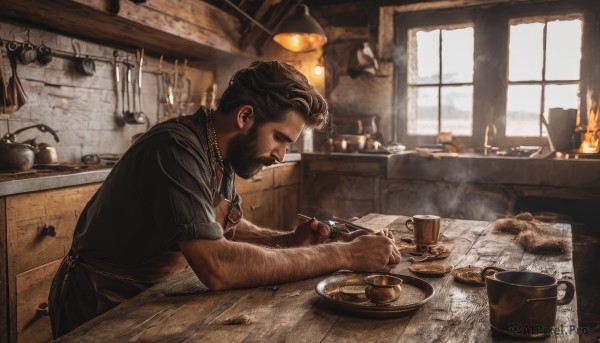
(490, 74)
(439, 85)
(543, 82)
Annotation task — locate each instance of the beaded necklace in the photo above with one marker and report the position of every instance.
(216, 158)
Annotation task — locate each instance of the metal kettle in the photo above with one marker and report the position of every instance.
(21, 156)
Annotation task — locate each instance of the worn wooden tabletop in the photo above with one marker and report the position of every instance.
(182, 310)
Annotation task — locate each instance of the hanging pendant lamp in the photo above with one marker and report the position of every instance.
(300, 32)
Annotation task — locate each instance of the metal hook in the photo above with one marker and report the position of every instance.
(12, 46)
(76, 47)
(25, 31)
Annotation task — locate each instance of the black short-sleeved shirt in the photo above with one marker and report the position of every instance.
(159, 193)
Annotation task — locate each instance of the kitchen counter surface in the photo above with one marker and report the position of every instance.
(182, 308)
(500, 170)
(47, 179)
(472, 168)
(44, 179)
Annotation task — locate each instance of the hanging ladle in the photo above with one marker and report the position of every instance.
(132, 117)
(140, 115)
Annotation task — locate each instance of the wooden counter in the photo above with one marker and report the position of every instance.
(181, 309)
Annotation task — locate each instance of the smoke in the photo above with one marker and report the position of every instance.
(452, 189)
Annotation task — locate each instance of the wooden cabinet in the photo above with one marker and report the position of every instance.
(270, 199)
(36, 233)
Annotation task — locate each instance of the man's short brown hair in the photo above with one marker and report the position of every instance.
(273, 88)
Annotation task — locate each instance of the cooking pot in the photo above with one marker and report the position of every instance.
(523, 304)
(44, 54)
(85, 66)
(21, 156)
(27, 53)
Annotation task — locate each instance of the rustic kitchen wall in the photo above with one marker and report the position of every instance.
(85, 111)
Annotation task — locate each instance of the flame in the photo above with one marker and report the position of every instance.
(591, 140)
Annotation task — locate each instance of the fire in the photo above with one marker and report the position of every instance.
(591, 140)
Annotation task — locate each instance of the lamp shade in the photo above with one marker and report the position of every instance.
(300, 32)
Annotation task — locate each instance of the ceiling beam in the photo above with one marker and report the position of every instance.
(184, 28)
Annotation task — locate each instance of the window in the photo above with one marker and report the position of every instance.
(543, 72)
(440, 81)
(460, 70)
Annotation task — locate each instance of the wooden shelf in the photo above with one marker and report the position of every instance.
(178, 28)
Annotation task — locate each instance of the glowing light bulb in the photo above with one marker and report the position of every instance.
(318, 70)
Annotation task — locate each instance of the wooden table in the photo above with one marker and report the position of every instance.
(182, 310)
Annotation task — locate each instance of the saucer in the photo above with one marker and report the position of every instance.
(469, 276)
(430, 269)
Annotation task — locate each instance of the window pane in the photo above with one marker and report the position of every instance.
(457, 108)
(563, 50)
(526, 52)
(424, 58)
(457, 55)
(564, 96)
(523, 110)
(423, 111)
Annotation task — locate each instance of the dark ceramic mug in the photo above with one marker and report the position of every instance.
(523, 304)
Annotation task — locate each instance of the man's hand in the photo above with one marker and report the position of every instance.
(309, 233)
(374, 253)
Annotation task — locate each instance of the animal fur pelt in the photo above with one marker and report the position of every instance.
(533, 235)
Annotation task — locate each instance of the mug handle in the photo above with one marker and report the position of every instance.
(411, 222)
(495, 269)
(569, 292)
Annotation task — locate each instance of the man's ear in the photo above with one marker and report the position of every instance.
(245, 117)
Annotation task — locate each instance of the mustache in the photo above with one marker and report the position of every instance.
(266, 161)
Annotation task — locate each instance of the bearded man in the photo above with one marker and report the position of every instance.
(171, 202)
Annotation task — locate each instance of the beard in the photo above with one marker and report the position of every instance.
(243, 151)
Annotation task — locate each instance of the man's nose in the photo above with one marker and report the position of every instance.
(279, 153)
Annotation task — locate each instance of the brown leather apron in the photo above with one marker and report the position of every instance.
(99, 286)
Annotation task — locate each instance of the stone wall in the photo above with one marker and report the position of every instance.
(85, 110)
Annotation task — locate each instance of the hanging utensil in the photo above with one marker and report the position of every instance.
(3, 86)
(44, 54)
(126, 84)
(131, 117)
(84, 65)
(161, 91)
(120, 116)
(16, 94)
(27, 53)
(141, 117)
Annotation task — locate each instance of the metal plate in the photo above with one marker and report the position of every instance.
(430, 269)
(415, 293)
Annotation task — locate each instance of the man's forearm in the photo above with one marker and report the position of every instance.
(250, 233)
(223, 264)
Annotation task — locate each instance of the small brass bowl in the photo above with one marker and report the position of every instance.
(382, 289)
